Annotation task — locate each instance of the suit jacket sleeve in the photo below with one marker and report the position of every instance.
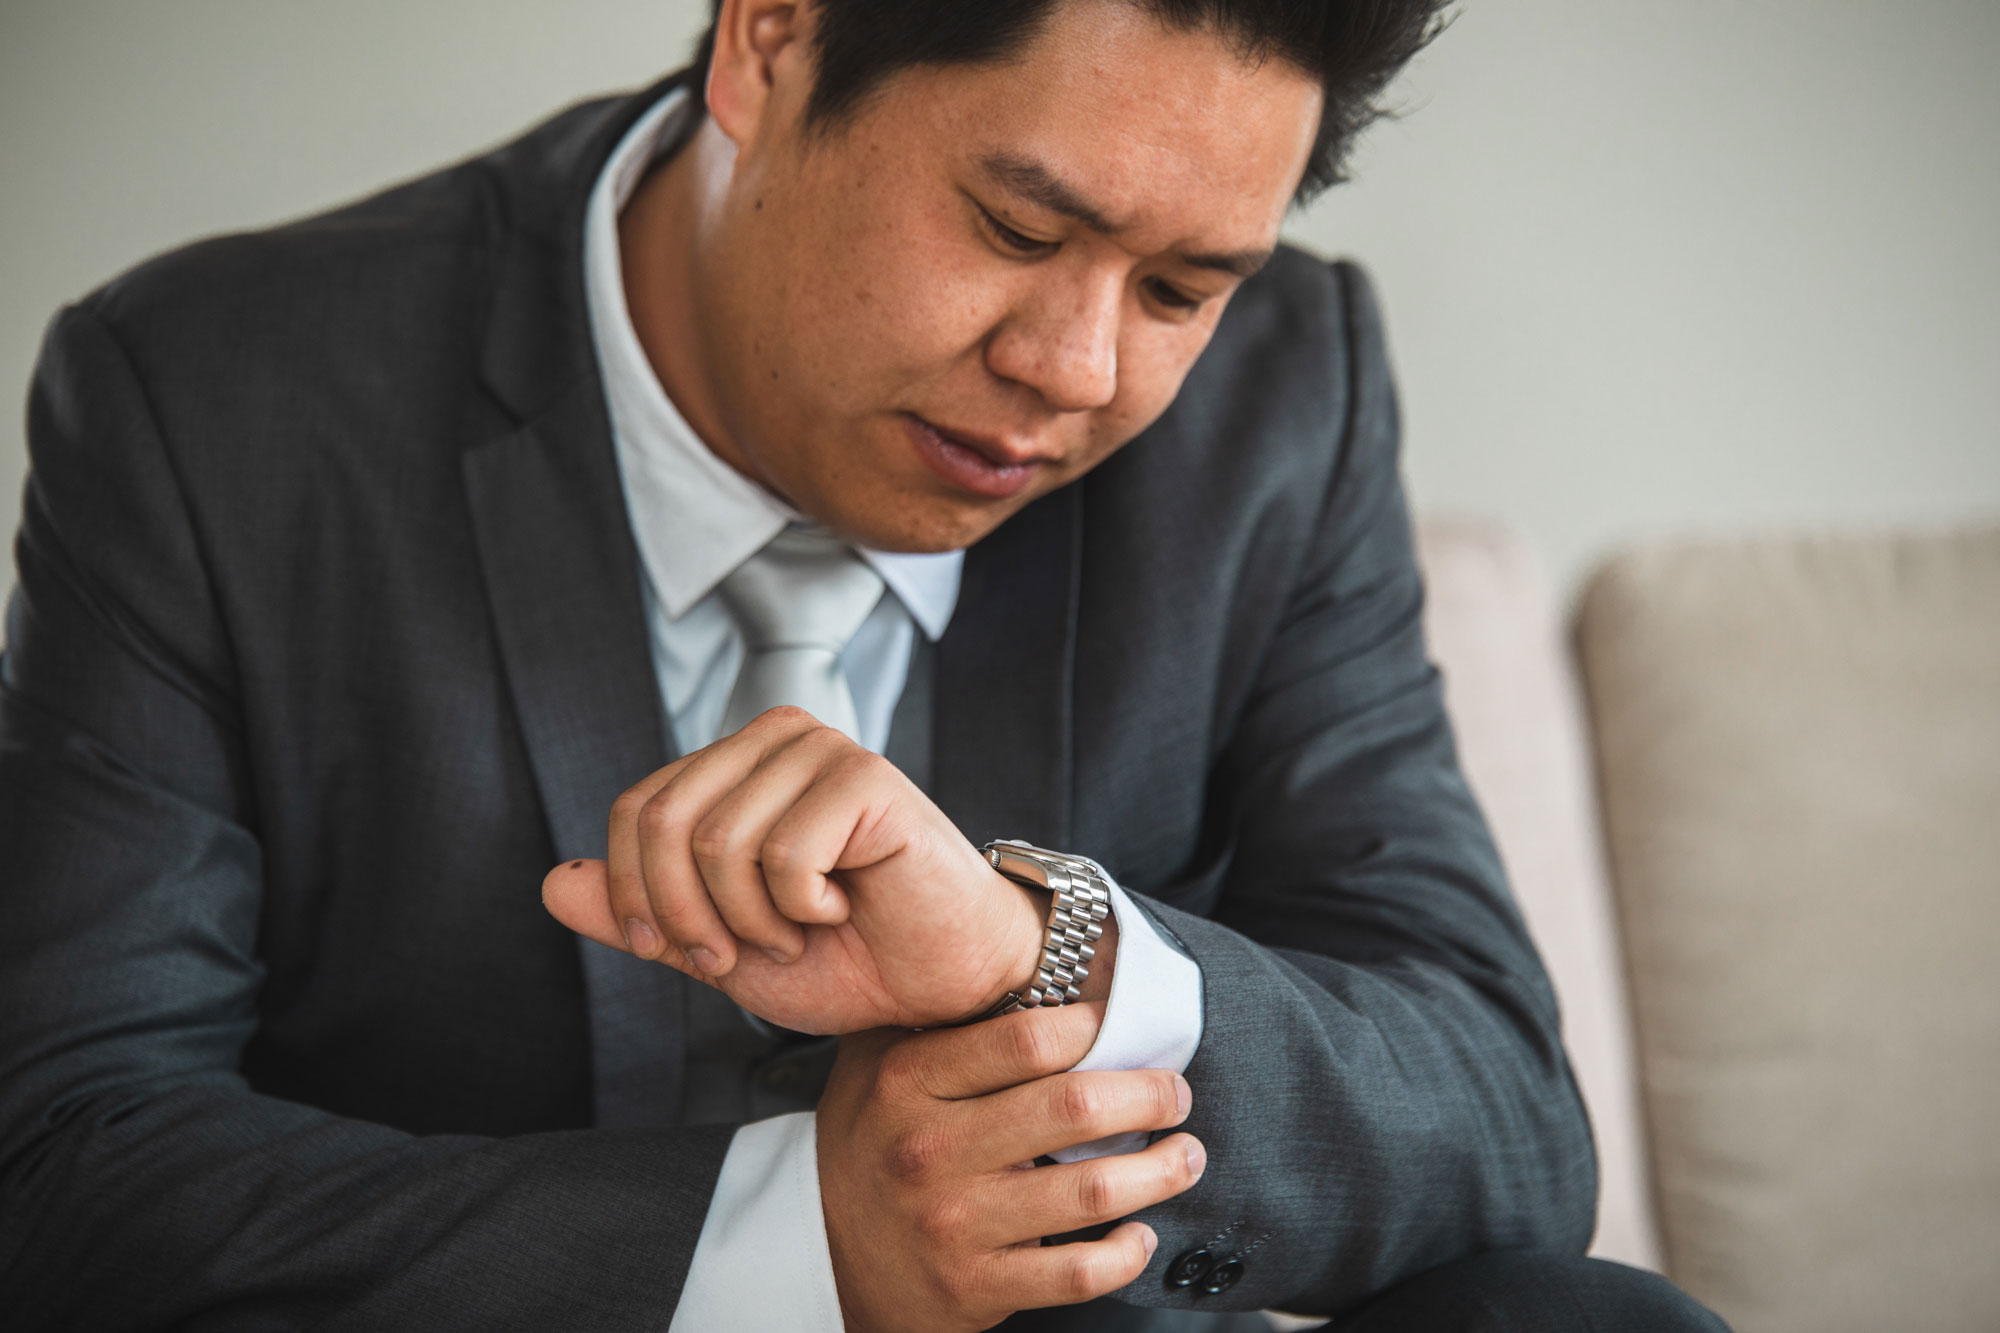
(1380, 1083)
(145, 1183)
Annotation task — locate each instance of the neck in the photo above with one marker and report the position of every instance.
(667, 237)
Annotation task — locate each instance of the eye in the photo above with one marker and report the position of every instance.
(1013, 240)
(1173, 297)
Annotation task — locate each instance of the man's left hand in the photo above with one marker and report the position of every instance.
(809, 880)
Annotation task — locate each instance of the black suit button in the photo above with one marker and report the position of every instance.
(1190, 1268)
(1223, 1276)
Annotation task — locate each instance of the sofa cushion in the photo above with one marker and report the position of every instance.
(1799, 752)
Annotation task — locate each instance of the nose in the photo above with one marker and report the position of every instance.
(1061, 340)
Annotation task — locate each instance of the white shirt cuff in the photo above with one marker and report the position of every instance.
(762, 1260)
(1152, 1019)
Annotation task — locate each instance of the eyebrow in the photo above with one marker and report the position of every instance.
(1034, 182)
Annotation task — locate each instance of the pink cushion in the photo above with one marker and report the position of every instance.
(1509, 683)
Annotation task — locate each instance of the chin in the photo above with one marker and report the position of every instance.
(923, 536)
(919, 524)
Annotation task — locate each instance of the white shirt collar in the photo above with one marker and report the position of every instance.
(694, 517)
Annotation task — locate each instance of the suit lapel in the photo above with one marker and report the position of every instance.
(548, 510)
(562, 577)
(1001, 726)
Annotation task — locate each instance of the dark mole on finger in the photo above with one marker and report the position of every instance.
(576, 865)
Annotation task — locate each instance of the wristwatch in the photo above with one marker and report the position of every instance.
(1076, 919)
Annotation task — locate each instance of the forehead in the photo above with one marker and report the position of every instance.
(1169, 132)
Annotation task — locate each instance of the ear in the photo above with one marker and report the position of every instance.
(761, 47)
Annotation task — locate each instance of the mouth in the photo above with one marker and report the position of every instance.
(979, 464)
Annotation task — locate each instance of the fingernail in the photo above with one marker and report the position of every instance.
(641, 938)
(705, 959)
(1183, 1095)
(777, 956)
(1151, 1241)
(1197, 1158)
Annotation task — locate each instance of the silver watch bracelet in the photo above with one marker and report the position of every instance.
(1082, 899)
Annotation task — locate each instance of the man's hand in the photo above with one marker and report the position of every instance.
(863, 906)
(934, 1216)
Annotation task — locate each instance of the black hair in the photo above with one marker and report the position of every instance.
(1353, 47)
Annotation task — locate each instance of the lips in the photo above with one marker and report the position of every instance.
(971, 463)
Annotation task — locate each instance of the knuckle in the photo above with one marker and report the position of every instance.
(1080, 1279)
(782, 856)
(1096, 1191)
(1078, 1102)
(783, 717)
(1035, 1044)
(854, 763)
(678, 913)
(916, 1153)
(660, 816)
(816, 739)
(899, 1069)
(629, 803)
(944, 1220)
(958, 1281)
(713, 839)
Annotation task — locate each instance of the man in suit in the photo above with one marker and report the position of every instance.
(368, 565)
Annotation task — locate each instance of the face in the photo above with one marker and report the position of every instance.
(987, 279)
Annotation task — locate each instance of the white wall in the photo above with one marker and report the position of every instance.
(1647, 267)
(1703, 264)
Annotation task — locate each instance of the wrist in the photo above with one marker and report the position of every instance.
(1019, 951)
(1021, 955)
(1026, 945)
(1079, 916)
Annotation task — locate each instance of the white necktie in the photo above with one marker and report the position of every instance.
(798, 601)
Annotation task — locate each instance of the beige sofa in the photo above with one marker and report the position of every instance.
(1750, 799)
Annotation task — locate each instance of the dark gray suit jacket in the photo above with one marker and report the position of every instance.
(327, 644)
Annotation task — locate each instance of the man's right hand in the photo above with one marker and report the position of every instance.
(934, 1213)
(867, 906)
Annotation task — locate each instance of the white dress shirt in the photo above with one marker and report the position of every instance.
(762, 1258)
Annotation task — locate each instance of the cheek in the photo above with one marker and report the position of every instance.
(891, 296)
(936, 299)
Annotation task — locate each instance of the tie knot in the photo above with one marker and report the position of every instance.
(806, 589)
